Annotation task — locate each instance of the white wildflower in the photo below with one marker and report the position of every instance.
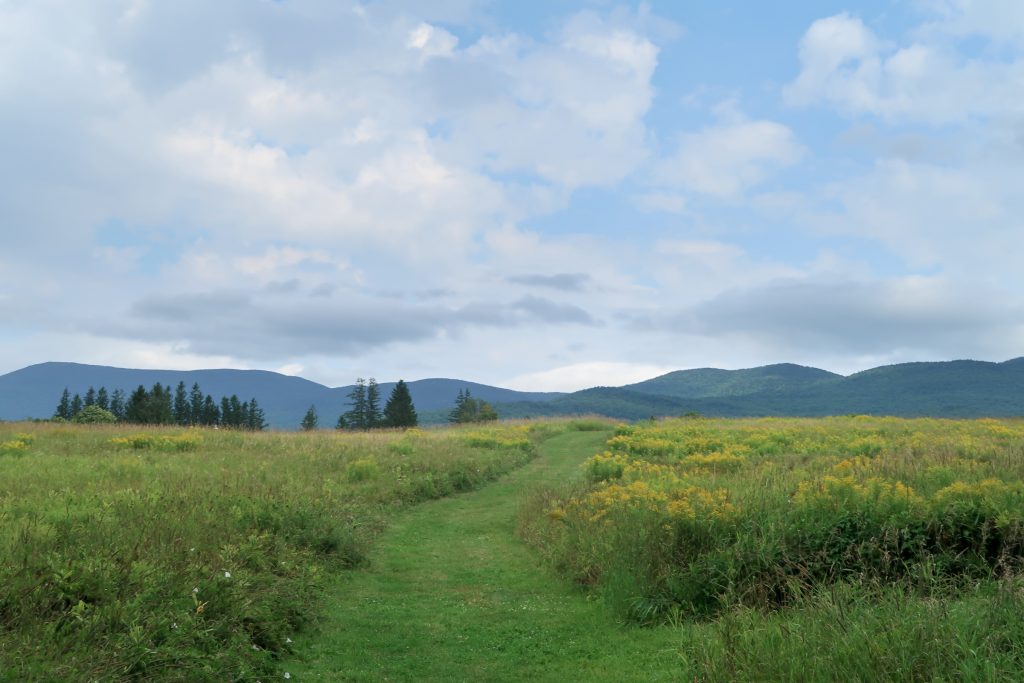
(227, 575)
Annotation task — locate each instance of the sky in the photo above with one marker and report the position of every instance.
(539, 195)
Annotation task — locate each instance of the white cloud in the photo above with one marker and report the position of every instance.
(583, 375)
(727, 159)
(845, 65)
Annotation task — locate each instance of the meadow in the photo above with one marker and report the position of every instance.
(171, 554)
(854, 548)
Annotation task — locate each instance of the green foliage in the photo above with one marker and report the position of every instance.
(469, 410)
(176, 554)
(309, 422)
(399, 411)
(698, 517)
(94, 415)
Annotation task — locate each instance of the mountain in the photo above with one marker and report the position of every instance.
(712, 382)
(35, 390)
(961, 388)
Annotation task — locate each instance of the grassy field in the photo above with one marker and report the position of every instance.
(168, 554)
(862, 549)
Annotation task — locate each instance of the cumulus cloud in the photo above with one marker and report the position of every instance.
(845, 65)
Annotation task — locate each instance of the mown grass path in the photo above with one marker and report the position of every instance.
(451, 594)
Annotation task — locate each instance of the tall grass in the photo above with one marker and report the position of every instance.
(699, 517)
(192, 555)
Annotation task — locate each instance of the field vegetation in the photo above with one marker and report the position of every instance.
(193, 554)
(851, 548)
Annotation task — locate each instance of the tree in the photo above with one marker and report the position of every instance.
(94, 415)
(257, 420)
(373, 418)
(161, 408)
(468, 409)
(103, 399)
(136, 410)
(195, 408)
(342, 424)
(356, 416)
(63, 410)
(399, 410)
(76, 406)
(236, 412)
(182, 408)
(309, 422)
(90, 397)
(117, 406)
(210, 414)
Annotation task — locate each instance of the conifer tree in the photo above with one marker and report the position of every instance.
(117, 406)
(161, 407)
(236, 412)
(399, 410)
(210, 413)
(373, 416)
(103, 399)
(309, 422)
(195, 400)
(63, 410)
(76, 406)
(225, 411)
(90, 397)
(182, 409)
(356, 416)
(136, 410)
(257, 420)
(457, 413)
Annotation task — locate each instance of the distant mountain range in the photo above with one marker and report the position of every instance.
(34, 391)
(959, 388)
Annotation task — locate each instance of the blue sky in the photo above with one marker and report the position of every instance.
(543, 195)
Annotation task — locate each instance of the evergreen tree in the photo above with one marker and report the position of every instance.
(90, 397)
(356, 416)
(225, 411)
(257, 419)
(373, 416)
(63, 410)
(195, 408)
(309, 422)
(117, 406)
(161, 407)
(236, 412)
(458, 412)
(103, 399)
(211, 416)
(468, 409)
(243, 417)
(399, 410)
(76, 406)
(342, 424)
(182, 409)
(136, 410)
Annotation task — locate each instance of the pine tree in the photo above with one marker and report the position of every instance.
(342, 423)
(136, 410)
(458, 413)
(195, 400)
(236, 411)
(63, 410)
(103, 399)
(182, 409)
(257, 418)
(90, 397)
(309, 422)
(225, 411)
(117, 404)
(399, 410)
(161, 407)
(211, 416)
(356, 416)
(373, 416)
(76, 406)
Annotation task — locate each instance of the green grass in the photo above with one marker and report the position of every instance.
(449, 593)
(191, 555)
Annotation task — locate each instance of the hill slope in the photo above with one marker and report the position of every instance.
(942, 389)
(35, 390)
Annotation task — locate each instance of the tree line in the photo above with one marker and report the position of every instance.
(365, 411)
(161, 406)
